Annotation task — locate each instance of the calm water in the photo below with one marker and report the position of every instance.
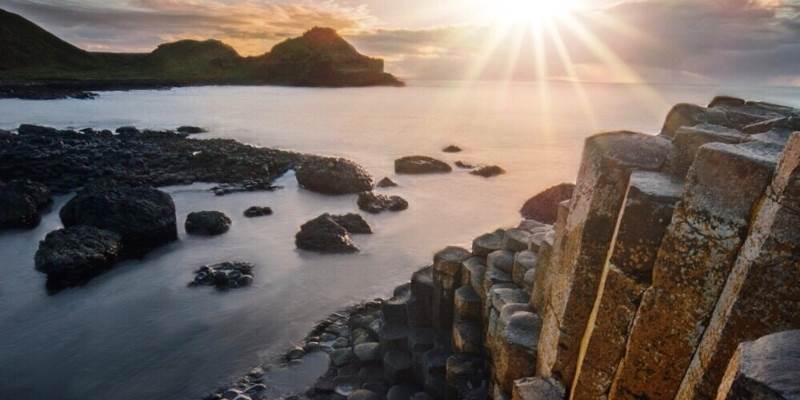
(138, 332)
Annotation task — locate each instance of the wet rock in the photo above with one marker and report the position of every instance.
(190, 130)
(367, 351)
(420, 165)
(517, 355)
(544, 206)
(447, 265)
(452, 149)
(324, 235)
(353, 223)
(385, 183)
(127, 130)
(143, 216)
(524, 262)
(72, 255)
(488, 171)
(227, 275)
(257, 211)
(333, 176)
(340, 357)
(21, 203)
(377, 203)
(207, 223)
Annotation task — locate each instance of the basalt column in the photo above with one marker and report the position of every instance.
(698, 251)
(608, 160)
(646, 214)
(762, 294)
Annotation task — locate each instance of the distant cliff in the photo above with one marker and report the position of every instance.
(31, 57)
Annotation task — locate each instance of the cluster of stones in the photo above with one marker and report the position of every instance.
(673, 250)
(416, 165)
(227, 275)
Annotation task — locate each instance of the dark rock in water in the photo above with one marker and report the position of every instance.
(464, 165)
(333, 176)
(257, 211)
(420, 165)
(353, 223)
(452, 149)
(128, 130)
(21, 203)
(208, 223)
(324, 235)
(143, 216)
(227, 275)
(72, 255)
(544, 206)
(377, 203)
(249, 185)
(28, 129)
(488, 171)
(386, 182)
(190, 130)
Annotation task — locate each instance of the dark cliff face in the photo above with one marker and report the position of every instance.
(320, 57)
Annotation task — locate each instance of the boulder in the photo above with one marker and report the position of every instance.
(207, 223)
(227, 275)
(366, 352)
(324, 235)
(385, 183)
(143, 216)
(377, 203)
(420, 165)
(452, 149)
(487, 243)
(544, 206)
(488, 171)
(257, 211)
(75, 254)
(333, 176)
(21, 203)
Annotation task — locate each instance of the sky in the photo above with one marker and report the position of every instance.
(681, 41)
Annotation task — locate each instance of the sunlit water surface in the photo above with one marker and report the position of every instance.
(139, 332)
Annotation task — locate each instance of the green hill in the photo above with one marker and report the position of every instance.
(31, 55)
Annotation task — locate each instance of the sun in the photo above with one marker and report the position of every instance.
(516, 12)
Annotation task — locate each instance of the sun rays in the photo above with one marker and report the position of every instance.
(557, 36)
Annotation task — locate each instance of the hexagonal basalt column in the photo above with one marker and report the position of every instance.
(761, 293)
(446, 278)
(708, 227)
(646, 214)
(608, 160)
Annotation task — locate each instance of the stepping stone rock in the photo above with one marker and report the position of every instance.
(207, 223)
(485, 244)
(524, 262)
(517, 240)
(502, 260)
(333, 176)
(467, 304)
(420, 165)
(378, 203)
(257, 211)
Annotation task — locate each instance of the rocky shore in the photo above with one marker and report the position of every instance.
(669, 271)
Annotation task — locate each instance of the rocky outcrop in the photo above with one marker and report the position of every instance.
(331, 234)
(21, 204)
(377, 203)
(73, 255)
(451, 149)
(420, 165)
(333, 176)
(543, 207)
(227, 275)
(144, 217)
(207, 223)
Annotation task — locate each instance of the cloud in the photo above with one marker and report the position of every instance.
(657, 40)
